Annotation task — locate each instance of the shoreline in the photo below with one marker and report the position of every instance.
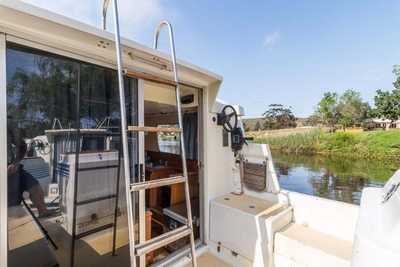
(370, 145)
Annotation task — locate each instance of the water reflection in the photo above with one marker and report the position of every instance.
(337, 178)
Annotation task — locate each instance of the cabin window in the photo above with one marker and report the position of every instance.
(169, 142)
(67, 112)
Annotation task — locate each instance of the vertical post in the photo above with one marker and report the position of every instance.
(3, 154)
(124, 137)
(141, 148)
(76, 171)
(116, 199)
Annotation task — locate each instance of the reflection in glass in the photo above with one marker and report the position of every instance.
(68, 114)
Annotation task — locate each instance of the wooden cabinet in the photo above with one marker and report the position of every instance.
(159, 198)
(149, 256)
(154, 173)
(178, 190)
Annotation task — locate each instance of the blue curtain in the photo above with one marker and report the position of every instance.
(190, 134)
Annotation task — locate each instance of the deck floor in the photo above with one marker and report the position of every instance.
(207, 259)
(94, 251)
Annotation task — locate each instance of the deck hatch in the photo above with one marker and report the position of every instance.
(255, 176)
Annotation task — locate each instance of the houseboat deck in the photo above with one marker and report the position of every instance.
(94, 250)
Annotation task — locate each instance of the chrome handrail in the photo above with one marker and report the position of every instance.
(54, 124)
(105, 7)
(123, 126)
(178, 106)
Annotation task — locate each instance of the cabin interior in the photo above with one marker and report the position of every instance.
(162, 159)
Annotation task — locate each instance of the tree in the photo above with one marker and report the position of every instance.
(50, 90)
(327, 109)
(313, 120)
(396, 71)
(366, 117)
(279, 117)
(257, 127)
(388, 103)
(350, 108)
(387, 107)
(37, 96)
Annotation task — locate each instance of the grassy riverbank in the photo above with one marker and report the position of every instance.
(376, 145)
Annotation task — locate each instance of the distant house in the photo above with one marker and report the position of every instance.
(396, 124)
(382, 123)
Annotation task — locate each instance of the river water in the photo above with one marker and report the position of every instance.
(337, 178)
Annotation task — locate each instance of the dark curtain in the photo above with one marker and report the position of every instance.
(190, 134)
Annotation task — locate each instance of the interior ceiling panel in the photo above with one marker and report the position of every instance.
(155, 106)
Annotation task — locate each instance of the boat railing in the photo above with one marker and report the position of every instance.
(55, 123)
(106, 120)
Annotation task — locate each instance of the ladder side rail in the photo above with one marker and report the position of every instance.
(105, 7)
(116, 200)
(124, 137)
(183, 153)
(142, 175)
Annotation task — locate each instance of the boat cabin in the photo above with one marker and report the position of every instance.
(143, 165)
(60, 82)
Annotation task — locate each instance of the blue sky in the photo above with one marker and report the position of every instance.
(268, 52)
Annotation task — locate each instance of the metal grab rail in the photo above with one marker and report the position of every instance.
(183, 153)
(55, 122)
(105, 7)
(171, 41)
(123, 126)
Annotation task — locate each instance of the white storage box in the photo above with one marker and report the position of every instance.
(96, 176)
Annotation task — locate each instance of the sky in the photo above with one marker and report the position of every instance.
(267, 51)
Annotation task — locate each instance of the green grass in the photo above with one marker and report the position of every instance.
(296, 143)
(377, 145)
(380, 145)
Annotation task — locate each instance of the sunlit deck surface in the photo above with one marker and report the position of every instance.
(27, 241)
(97, 252)
(94, 250)
(207, 259)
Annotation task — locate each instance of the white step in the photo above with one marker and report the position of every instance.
(308, 247)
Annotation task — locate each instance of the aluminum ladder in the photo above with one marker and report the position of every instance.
(144, 247)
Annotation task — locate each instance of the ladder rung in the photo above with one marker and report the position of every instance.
(149, 77)
(154, 129)
(162, 240)
(88, 201)
(90, 232)
(157, 183)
